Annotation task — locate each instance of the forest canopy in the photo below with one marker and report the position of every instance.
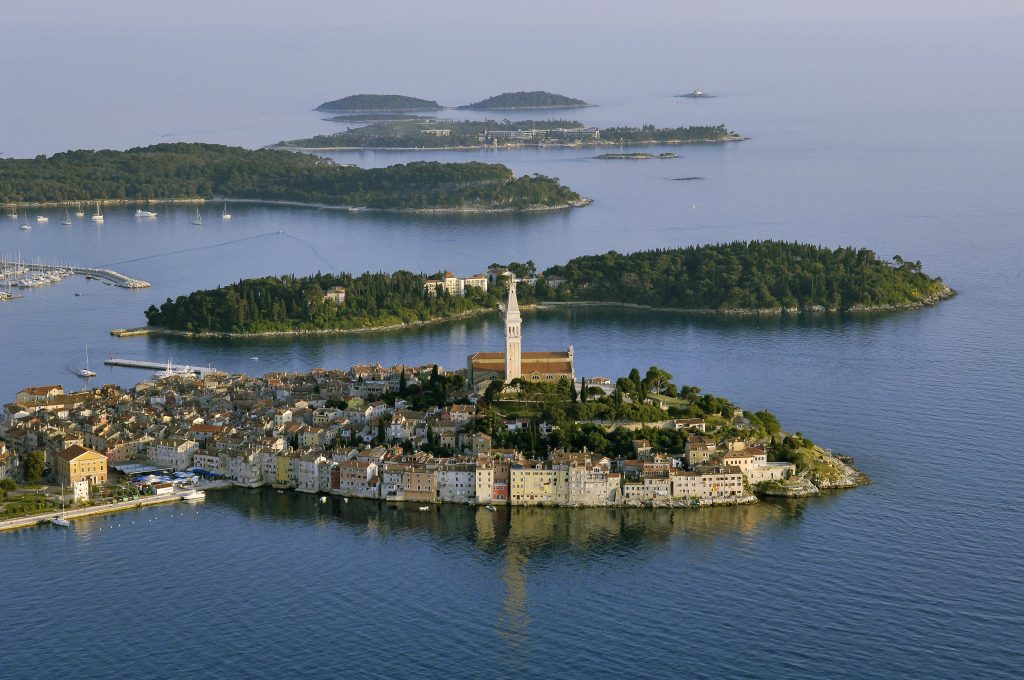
(757, 275)
(186, 170)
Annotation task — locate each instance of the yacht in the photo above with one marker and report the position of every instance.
(198, 219)
(60, 520)
(85, 372)
(225, 215)
(42, 218)
(144, 213)
(67, 218)
(98, 217)
(194, 495)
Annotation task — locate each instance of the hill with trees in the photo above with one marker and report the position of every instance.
(740, 276)
(370, 103)
(188, 171)
(537, 99)
(744, 276)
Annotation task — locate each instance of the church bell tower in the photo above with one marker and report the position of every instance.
(513, 335)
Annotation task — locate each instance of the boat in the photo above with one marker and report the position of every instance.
(60, 520)
(225, 215)
(198, 219)
(697, 94)
(144, 213)
(26, 227)
(346, 500)
(254, 358)
(323, 499)
(67, 218)
(85, 372)
(492, 508)
(424, 508)
(194, 495)
(79, 212)
(42, 218)
(98, 217)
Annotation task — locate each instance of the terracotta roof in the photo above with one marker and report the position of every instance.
(74, 451)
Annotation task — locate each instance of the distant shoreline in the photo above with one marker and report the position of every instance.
(583, 202)
(478, 147)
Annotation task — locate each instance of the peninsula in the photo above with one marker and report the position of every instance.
(418, 434)
(202, 171)
(509, 101)
(757, 277)
(470, 134)
(379, 103)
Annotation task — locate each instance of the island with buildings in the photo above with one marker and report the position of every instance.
(637, 156)
(756, 277)
(439, 133)
(170, 172)
(514, 427)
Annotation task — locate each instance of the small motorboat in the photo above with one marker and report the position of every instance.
(346, 500)
(42, 218)
(254, 358)
(194, 495)
(424, 508)
(323, 499)
(492, 508)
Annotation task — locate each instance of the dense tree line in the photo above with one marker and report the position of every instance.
(537, 99)
(282, 303)
(742, 275)
(176, 171)
(650, 133)
(379, 102)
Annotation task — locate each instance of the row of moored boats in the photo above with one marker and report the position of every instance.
(98, 216)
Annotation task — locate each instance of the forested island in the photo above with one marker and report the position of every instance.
(190, 171)
(537, 99)
(432, 133)
(377, 103)
(739, 277)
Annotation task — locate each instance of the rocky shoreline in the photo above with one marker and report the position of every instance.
(477, 147)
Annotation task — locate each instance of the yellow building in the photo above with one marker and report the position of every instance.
(77, 463)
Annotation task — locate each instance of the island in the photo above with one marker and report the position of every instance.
(756, 277)
(509, 101)
(471, 134)
(188, 171)
(416, 434)
(638, 156)
(379, 103)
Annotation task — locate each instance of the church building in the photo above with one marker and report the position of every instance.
(514, 362)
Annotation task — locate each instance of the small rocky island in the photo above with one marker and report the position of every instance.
(639, 156)
(379, 103)
(510, 101)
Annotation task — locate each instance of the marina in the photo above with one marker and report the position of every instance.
(18, 274)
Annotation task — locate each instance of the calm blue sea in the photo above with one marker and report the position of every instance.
(861, 134)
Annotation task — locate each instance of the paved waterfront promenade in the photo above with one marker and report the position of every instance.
(71, 514)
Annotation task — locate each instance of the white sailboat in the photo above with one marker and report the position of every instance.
(59, 520)
(67, 218)
(78, 211)
(98, 217)
(85, 372)
(225, 215)
(198, 219)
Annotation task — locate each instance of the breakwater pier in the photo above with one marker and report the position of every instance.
(166, 370)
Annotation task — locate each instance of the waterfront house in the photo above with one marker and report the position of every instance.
(78, 463)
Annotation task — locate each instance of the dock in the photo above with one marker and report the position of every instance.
(171, 369)
(110, 275)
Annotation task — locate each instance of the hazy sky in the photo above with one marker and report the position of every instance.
(333, 13)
